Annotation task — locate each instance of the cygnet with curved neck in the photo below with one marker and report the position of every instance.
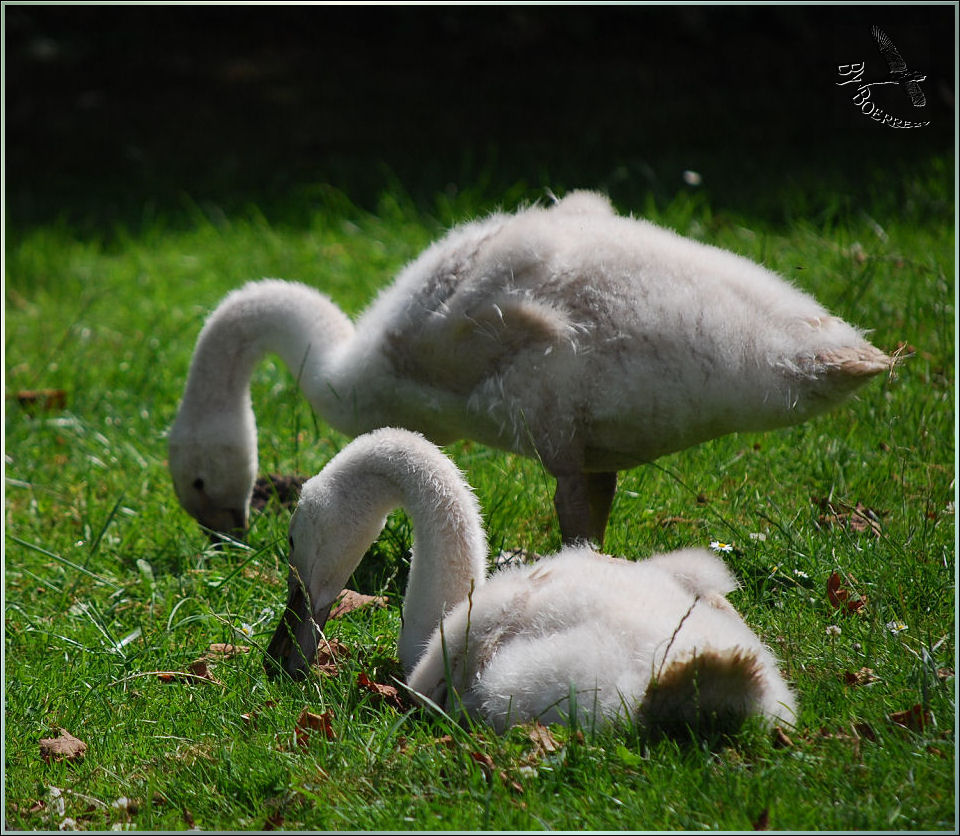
(590, 341)
(653, 641)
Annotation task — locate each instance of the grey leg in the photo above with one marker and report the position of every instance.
(583, 503)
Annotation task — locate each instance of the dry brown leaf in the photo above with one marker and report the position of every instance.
(543, 740)
(862, 518)
(864, 676)
(841, 598)
(329, 652)
(42, 400)
(944, 674)
(385, 693)
(65, 747)
(915, 718)
(190, 677)
(857, 517)
(201, 670)
(350, 601)
(762, 821)
(485, 761)
(309, 722)
(508, 782)
(781, 739)
(675, 520)
(225, 651)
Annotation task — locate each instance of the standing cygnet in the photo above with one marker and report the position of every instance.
(591, 341)
(654, 641)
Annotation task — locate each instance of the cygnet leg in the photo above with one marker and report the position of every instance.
(583, 503)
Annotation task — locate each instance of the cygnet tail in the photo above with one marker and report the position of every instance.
(855, 361)
(707, 693)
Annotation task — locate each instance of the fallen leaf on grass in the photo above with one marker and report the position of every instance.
(508, 782)
(781, 740)
(864, 676)
(309, 722)
(857, 517)
(914, 718)
(65, 747)
(485, 761)
(350, 601)
(544, 743)
(329, 653)
(489, 770)
(840, 597)
(385, 693)
(190, 676)
(201, 669)
(218, 650)
(665, 522)
(42, 400)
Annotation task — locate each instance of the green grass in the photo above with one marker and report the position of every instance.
(107, 580)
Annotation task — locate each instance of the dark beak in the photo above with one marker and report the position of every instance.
(293, 647)
(229, 524)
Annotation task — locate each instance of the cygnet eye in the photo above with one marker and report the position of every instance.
(198, 483)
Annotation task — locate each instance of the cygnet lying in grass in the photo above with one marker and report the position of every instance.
(654, 641)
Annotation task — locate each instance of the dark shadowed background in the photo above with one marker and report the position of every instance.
(117, 114)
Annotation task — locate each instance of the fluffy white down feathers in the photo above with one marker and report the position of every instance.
(655, 640)
(593, 341)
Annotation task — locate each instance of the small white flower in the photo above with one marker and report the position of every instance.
(246, 629)
(717, 546)
(800, 573)
(692, 178)
(758, 535)
(833, 630)
(896, 627)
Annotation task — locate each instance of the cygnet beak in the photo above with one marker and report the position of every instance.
(231, 522)
(294, 644)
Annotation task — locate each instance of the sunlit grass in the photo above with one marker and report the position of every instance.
(108, 582)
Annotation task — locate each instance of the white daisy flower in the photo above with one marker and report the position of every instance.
(717, 546)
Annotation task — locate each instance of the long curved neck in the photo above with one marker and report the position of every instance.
(292, 320)
(448, 562)
(391, 468)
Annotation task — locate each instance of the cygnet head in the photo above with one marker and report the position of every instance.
(330, 531)
(214, 467)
